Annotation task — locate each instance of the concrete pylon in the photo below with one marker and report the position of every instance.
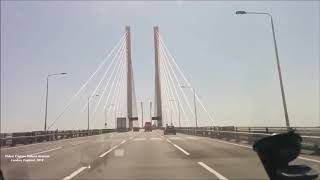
(158, 104)
(129, 76)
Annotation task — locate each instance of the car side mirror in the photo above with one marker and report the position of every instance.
(275, 152)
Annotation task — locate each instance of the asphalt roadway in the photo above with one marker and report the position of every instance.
(137, 155)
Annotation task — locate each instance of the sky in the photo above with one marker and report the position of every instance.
(229, 59)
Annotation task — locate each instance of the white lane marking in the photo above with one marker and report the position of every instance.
(193, 138)
(232, 143)
(176, 138)
(76, 172)
(119, 152)
(159, 135)
(169, 141)
(77, 143)
(51, 142)
(139, 139)
(111, 149)
(212, 171)
(308, 159)
(182, 150)
(123, 141)
(46, 151)
(240, 145)
(155, 139)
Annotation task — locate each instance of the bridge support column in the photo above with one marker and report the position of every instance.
(158, 105)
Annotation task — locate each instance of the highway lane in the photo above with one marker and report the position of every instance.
(147, 156)
(235, 161)
(139, 155)
(65, 156)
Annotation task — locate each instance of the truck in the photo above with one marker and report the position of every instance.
(122, 124)
(135, 125)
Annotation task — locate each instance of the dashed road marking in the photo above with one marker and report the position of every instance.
(139, 139)
(119, 152)
(77, 143)
(193, 138)
(176, 138)
(72, 175)
(155, 139)
(182, 150)
(218, 175)
(107, 152)
(240, 145)
(46, 151)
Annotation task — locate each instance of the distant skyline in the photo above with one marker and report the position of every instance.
(228, 58)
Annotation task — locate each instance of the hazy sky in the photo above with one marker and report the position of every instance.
(228, 58)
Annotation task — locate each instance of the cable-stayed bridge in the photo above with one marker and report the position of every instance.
(93, 149)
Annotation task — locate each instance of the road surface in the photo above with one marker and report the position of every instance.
(138, 155)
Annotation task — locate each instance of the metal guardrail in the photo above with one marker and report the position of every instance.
(12, 139)
(310, 135)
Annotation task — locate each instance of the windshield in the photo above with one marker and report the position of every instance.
(158, 90)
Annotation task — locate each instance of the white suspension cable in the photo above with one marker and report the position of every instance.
(117, 78)
(182, 92)
(85, 84)
(113, 74)
(168, 91)
(185, 79)
(169, 79)
(169, 84)
(105, 74)
(112, 84)
(175, 76)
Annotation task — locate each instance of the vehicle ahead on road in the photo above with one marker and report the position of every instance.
(147, 127)
(136, 128)
(169, 130)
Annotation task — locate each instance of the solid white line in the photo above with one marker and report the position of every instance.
(212, 171)
(178, 147)
(123, 141)
(169, 141)
(75, 173)
(308, 159)
(108, 151)
(52, 142)
(299, 157)
(235, 144)
(46, 151)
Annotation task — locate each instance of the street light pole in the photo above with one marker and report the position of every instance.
(105, 117)
(278, 65)
(195, 106)
(106, 114)
(47, 94)
(141, 103)
(89, 110)
(194, 103)
(171, 115)
(150, 111)
(179, 113)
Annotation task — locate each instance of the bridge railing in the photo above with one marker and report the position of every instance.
(248, 135)
(12, 139)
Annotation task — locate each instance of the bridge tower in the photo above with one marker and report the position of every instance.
(130, 82)
(158, 107)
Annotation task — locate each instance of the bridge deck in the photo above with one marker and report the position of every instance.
(139, 155)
